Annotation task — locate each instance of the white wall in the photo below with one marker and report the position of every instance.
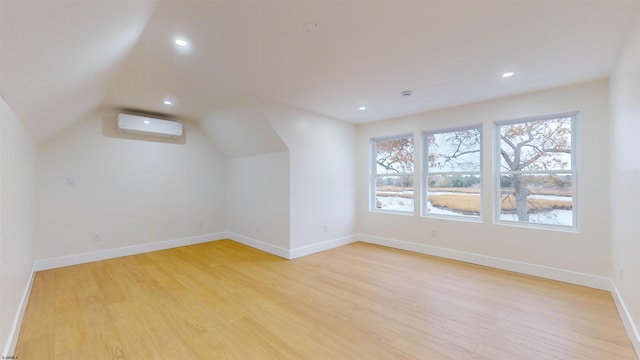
(322, 154)
(585, 252)
(17, 174)
(131, 189)
(625, 177)
(258, 199)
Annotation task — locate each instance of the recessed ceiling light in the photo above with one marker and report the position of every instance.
(181, 42)
(167, 102)
(146, 121)
(508, 74)
(362, 108)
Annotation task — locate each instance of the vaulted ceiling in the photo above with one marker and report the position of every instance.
(60, 60)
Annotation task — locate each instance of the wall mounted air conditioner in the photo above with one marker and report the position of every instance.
(146, 125)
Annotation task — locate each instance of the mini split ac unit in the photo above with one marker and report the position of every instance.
(147, 125)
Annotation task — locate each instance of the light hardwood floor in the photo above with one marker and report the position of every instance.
(224, 300)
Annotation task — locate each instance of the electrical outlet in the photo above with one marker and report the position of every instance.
(326, 227)
(97, 236)
(433, 233)
(621, 275)
(258, 229)
(71, 181)
(201, 224)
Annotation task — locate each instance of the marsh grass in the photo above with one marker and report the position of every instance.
(394, 191)
(467, 201)
(535, 205)
(467, 204)
(470, 204)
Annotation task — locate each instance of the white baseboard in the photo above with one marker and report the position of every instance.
(291, 254)
(260, 245)
(52, 263)
(325, 245)
(10, 346)
(593, 281)
(627, 320)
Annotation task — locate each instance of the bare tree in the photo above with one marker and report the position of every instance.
(451, 150)
(533, 146)
(541, 145)
(396, 155)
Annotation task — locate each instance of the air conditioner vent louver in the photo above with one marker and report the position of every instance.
(146, 125)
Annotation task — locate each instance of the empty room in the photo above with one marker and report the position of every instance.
(308, 179)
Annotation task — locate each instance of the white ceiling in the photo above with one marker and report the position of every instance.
(62, 59)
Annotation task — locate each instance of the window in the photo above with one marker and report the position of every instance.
(537, 172)
(452, 169)
(392, 174)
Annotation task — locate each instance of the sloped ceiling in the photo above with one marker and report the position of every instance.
(241, 129)
(57, 58)
(62, 59)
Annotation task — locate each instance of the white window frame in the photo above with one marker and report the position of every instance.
(426, 173)
(574, 173)
(374, 175)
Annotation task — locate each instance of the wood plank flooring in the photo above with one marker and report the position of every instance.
(224, 300)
